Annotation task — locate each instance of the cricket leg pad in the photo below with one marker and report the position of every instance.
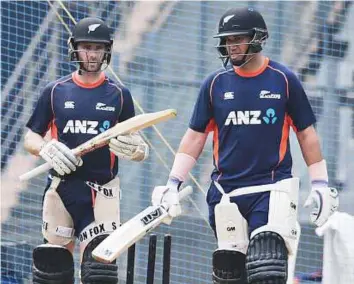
(95, 272)
(52, 264)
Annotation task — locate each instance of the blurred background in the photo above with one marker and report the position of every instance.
(162, 51)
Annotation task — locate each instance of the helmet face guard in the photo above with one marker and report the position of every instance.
(245, 22)
(74, 55)
(90, 30)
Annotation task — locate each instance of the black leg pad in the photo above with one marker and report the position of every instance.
(95, 272)
(52, 265)
(229, 267)
(267, 259)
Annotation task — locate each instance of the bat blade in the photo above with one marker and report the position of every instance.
(136, 227)
(132, 231)
(133, 124)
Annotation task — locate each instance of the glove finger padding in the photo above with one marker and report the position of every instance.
(67, 153)
(133, 139)
(157, 199)
(129, 147)
(324, 201)
(58, 163)
(171, 197)
(60, 157)
(168, 196)
(118, 151)
(117, 145)
(68, 165)
(157, 194)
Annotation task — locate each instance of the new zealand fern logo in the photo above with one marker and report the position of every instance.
(270, 117)
(93, 27)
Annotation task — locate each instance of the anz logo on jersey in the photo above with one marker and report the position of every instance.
(251, 117)
(85, 126)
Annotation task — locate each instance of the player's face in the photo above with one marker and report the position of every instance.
(237, 46)
(91, 55)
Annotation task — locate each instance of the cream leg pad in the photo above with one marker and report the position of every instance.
(231, 227)
(106, 207)
(58, 226)
(282, 216)
(106, 211)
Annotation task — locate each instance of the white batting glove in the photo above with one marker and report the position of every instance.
(60, 157)
(325, 200)
(168, 195)
(129, 147)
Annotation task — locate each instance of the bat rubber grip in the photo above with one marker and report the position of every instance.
(185, 192)
(35, 172)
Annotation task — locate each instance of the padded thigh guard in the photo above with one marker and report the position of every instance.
(231, 226)
(267, 259)
(58, 226)
(95, 272)
(106, 208)
(229, 267)
(52, 264)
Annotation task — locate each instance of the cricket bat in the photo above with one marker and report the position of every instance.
(133, 124)
(133, 230)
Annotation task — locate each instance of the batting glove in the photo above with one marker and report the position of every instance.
(168, 196)
(324, 200)
(129, 147)
(60, 157)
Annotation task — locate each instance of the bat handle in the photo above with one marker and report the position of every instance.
(185, 192)
(35, 172)
(182, 195)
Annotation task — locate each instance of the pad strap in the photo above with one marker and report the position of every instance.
(255, 189)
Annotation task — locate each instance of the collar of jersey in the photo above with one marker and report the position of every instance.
(78, 82)
(254, 73)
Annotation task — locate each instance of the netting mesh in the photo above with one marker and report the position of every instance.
(162, 51)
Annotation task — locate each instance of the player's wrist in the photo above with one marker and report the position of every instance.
(319, 183)
(174, 183)
(182, 165)
(318, 173)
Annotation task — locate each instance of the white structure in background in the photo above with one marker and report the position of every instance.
(338, 252)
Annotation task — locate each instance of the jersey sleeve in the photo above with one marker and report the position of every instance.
(298, 106)
(42, 115)
(202, 113)
(128, 110)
